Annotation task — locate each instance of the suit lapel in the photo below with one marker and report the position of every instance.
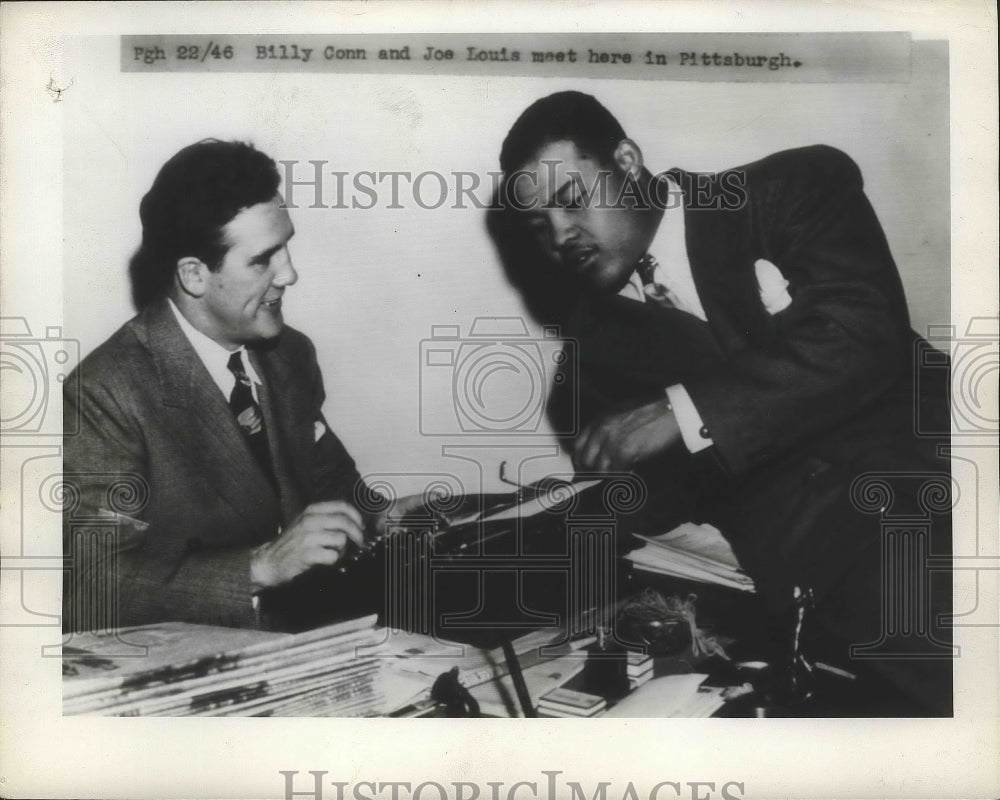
(721, 252)
(289, 440)
(199, 415)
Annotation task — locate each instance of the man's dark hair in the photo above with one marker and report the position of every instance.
(564, 116)
(194, 195)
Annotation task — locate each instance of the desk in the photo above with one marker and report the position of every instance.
(486, 585)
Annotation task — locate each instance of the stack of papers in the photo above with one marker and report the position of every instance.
(694, 552)
(640, 669)
(568, 703)
(202, 670)
(677, 696)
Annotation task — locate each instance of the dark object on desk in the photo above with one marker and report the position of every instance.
(606, 671)
(476, 582)
(518, 677)
(800, 670)
(665, 625)
(453, 696)
(645, 619)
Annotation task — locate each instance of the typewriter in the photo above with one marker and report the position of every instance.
(467, 567)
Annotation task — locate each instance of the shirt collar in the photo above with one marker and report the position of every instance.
(663, 240)
(213, 355)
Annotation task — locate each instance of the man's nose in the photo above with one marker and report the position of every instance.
(563, 228)
(285, 274)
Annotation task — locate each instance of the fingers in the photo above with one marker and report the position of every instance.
(326, 548)
(594, 449)
(335, 506)
(313, 548)
(334, 516)
(318, 537)
(620, 440)
(337, 523)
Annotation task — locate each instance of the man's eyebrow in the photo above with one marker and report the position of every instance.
(265, 255)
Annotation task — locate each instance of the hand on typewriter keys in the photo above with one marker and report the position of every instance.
(319, 536)
(409, 509)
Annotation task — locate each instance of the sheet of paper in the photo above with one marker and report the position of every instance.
(529, 508)
(661, 697)
(704, 541)
(692, 551)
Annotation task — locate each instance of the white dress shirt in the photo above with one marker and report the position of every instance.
(215, 357)
(673, 272)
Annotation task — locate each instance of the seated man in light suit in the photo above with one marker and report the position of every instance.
(209, 409)
(744, 346)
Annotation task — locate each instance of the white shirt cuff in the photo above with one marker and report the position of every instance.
(693, 430)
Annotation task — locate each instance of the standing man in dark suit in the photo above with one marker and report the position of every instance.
(744, 346)
(202, 438)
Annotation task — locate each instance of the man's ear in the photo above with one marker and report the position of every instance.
(628, 157)
(192, 276)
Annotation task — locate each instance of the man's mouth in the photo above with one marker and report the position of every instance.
(273, 305)
(580, 258)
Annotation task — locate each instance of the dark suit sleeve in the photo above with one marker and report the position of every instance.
(843, 340)
(122, 571)
(333, 473)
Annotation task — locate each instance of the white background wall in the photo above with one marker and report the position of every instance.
(372, 283)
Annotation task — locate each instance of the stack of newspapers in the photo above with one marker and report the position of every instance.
(693, 552)
(179, 669)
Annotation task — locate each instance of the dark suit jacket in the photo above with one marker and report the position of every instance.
(152, 418)
(798, 404)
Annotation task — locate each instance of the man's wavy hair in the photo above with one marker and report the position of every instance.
(564, 116)
(195, 194)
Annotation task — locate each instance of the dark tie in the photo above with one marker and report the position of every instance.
(655, 292)
(248, 415)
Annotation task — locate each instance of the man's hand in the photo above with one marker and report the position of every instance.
(319, 535)
(620, 440)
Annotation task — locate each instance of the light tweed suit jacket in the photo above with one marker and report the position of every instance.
(151, 419)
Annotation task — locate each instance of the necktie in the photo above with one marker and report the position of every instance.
(248, 415)
(655, 292)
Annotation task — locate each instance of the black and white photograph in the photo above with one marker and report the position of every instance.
(393, 379)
